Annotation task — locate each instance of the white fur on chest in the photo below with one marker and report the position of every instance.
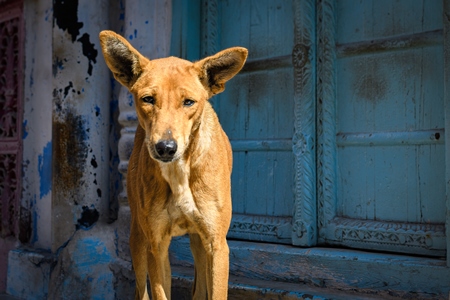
(181, 206)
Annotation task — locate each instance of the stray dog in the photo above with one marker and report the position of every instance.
(178, 178)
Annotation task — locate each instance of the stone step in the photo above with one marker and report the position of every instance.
(253, 289)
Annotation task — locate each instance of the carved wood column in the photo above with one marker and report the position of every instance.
(304, 140)
(326, 142)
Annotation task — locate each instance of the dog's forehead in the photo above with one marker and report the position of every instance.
(170, 66)
(170, 62)
(170, 72)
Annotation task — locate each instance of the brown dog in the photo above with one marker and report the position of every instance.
(178, 178)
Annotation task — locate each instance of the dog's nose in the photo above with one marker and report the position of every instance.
(166, 149)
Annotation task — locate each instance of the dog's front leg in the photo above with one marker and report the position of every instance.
(138, 249)
(159, 270)
(200, 265)
(217, 269)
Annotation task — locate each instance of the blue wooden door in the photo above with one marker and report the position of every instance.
(336, 121)
(381, 181)
(256, 112)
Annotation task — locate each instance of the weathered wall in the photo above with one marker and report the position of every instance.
(80, 121)
(37, 126)
(70, 165)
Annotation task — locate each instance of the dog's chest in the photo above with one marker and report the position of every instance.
(181, 206)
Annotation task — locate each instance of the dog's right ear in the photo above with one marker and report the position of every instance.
(125, 62)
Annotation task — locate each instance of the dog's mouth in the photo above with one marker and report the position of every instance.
(164, 160)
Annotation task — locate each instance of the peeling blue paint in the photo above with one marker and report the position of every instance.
(130, 99)
(131, 118)
(47, 15)
(24, 129)
(89, 255)
(97, 110)
(45, 170)
(57, 65)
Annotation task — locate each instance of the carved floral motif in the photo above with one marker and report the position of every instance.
(300, 55)
(275, 229)
(426, 236)
(9, 60)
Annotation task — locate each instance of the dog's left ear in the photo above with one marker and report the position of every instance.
(217, 69)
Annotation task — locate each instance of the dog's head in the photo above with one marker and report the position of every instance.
(170, 93)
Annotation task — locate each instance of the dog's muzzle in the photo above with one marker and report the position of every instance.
(166, 149)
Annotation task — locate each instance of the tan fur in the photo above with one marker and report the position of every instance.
(190, 192)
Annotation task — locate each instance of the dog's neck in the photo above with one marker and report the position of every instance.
(176, 174)
(202, 138)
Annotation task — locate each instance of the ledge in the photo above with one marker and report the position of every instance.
(336, 269)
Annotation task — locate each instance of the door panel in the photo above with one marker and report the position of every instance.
(258, 105)
(384, 186)
(394, 183)
(264, 27)
(375, 19)
(390, 91)
(256, 112)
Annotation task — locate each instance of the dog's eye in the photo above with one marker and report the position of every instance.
(188, 102)
(149, 100)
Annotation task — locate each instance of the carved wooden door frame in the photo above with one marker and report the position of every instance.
(11, 110)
